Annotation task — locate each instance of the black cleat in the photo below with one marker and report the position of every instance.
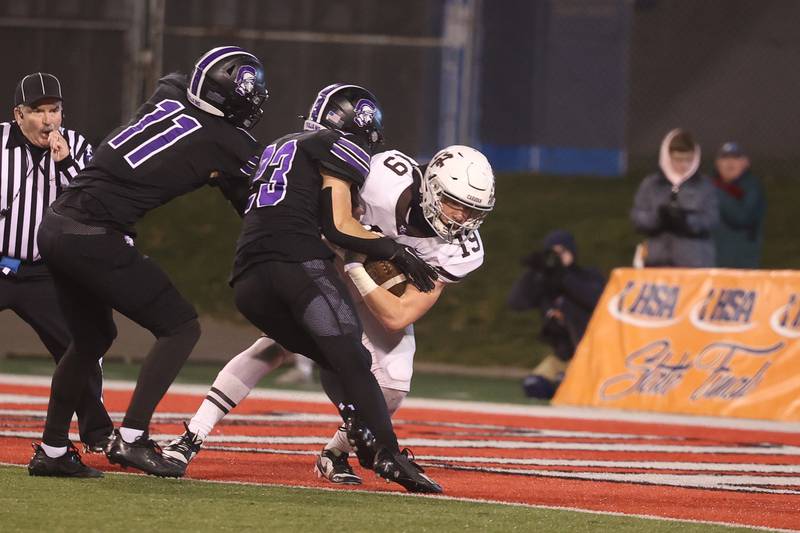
(361, 439)
(402, 469)
(183, 449)
(99, 446)
(335, 469)
(68, 465)
(143, 454)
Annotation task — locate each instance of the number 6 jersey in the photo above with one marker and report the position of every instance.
(168, 149)
(391, 201)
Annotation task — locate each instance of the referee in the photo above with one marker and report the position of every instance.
(38, 158)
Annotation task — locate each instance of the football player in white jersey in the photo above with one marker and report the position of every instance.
(436, 210)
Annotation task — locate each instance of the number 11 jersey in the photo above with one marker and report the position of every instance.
(168, 149)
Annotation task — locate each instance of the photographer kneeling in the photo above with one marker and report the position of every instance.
(566, 295)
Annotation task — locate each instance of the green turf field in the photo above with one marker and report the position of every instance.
(425, 385)
(130, 502)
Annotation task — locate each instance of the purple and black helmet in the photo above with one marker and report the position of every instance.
(349, 108)
(229, 82)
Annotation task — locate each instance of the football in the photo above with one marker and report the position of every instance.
(387, 275)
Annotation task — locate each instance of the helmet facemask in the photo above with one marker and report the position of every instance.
(458, 178)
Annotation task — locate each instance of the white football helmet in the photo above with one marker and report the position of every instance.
(457, 175)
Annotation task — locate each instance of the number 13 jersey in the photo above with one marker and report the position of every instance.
(168, 149)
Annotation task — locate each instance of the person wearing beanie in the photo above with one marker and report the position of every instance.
(566, 294)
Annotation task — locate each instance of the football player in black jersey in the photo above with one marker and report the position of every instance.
(284, 277)
(189, 133)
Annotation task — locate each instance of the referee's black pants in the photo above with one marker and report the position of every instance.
(32, 296)
(95, 271)
(306, 308)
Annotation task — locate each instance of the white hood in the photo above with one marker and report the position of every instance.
(666, 166)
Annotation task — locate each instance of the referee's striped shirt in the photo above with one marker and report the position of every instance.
(28, 188)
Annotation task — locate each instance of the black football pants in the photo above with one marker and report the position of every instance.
(34, 301)
(95, 271)
(306, 308)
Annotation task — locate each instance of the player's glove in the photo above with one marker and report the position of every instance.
(418, 272)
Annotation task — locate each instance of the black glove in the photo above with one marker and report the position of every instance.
(673, 218)
(418, 272)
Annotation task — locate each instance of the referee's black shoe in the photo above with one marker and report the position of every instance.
(68, 465)
(143, 454)
(401, 468)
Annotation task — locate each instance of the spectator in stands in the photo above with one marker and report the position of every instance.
(566, 295)
(742, 207)
(676, 207)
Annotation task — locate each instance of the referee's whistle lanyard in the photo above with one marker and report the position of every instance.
(31, 167)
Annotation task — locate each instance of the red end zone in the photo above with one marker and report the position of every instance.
(748, 477)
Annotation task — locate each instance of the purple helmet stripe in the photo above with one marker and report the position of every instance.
(316, 107)
(207, 60)
(356, 149)
(322, 100)
(350, 160)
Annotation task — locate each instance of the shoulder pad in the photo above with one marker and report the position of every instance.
(340, 153)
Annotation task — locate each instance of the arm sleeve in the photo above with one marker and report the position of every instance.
(382, 248)
(644, 214)
(745, 213)
(236, 189)
(702, 221)
(584, 287)
(79, 157)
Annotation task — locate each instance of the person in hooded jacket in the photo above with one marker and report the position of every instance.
(566, 295)
(676, 208)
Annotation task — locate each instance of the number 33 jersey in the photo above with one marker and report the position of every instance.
(168, 149)
(391, 201)
(281, 221)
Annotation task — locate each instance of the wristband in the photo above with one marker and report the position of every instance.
(361, 280)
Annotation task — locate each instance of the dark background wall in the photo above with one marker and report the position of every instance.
(565, 85)
(727, 69)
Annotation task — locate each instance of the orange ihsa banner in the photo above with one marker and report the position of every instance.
(710, 342)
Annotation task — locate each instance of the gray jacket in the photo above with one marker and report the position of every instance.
(665, 247)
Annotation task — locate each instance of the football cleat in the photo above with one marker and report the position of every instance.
(68, 465)
(335, 469)
(99, 446)
(401, 468)
(143, 454)
(183, 449)
(361, 439)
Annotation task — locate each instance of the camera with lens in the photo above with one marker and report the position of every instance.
(543, 260)
(551, 260)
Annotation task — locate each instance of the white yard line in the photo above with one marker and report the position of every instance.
(770, 451)
(583, 413)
